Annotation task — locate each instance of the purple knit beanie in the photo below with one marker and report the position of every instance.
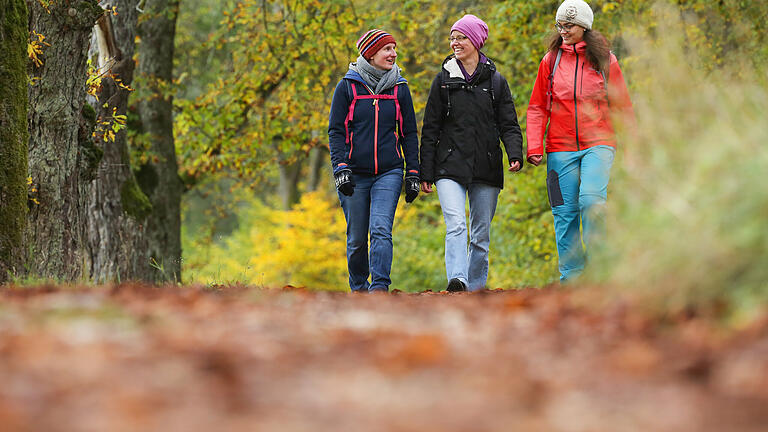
(474, 28)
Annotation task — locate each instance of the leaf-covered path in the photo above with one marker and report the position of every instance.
(131, 358)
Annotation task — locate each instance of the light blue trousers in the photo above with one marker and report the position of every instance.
(577, 183)
(469, 266)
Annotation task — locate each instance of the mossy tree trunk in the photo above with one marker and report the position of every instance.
(159, 178)
(61, 152)
(13, 134)
(117, 208)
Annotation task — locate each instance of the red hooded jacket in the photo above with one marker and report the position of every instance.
(582, 110)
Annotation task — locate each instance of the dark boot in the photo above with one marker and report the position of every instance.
(456, 285)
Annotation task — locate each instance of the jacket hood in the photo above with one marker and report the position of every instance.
(451, 65)
(352, 75)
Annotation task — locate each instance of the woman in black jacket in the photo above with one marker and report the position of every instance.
(468, 110)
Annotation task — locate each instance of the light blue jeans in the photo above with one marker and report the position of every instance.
(577, 183)
(471, 267)
(371, 210)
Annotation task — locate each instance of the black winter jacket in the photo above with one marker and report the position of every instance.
(463, 144)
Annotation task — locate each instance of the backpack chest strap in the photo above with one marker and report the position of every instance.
(374, 97)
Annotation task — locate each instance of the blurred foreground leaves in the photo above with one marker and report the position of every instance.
(132, 357)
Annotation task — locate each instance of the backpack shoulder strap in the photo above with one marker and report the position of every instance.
(552, 76)
(495, 88)
(351, 112)
(398, 113)
(444, 88)
(606, 73)
(496, 93)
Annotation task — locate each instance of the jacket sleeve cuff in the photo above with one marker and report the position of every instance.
(340, 167)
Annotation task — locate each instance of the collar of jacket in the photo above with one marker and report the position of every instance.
(354, 76)
(579, 47)
(451, 65)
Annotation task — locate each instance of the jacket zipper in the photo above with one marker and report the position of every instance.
(575, 102)
(376, 138)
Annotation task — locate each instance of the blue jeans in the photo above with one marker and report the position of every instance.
(577, 183)
(371, 209)
(471, 268)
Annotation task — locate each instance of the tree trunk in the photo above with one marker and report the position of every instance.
(317, 158)
(13, 134)
(289, 183)
(117, 208)
(61, 153)
(159, 179)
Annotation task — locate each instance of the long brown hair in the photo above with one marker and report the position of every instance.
(598, 48)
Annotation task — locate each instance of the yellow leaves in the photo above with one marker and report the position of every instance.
(107, 129)
(119, 120)
(93, 82)
(304, 246)
(46, 4)
(109, 136)
(32, 191)
(609, 6)
(120, 84)
(35, 47)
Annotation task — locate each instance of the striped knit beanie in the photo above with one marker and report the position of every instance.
(372, 41)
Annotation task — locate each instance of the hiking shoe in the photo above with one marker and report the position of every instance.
(456, 285)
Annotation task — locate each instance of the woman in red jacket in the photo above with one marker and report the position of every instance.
(578, 93)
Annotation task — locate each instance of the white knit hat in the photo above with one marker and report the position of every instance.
(577, 12)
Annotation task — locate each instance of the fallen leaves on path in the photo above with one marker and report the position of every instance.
(135, 357)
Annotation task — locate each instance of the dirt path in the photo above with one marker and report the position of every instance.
(135, 358)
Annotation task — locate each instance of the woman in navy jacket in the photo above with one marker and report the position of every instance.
(372, 132)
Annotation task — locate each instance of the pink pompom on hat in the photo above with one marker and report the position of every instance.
(474, 28)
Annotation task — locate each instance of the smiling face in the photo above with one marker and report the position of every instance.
(384, 58)
(461, 46)
(571, 33)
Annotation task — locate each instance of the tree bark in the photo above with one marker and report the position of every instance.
(61, 153)
(117, 208)
(13, 134)
(317, 158)
(159, 179)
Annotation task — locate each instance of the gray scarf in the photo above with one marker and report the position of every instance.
(379, 79)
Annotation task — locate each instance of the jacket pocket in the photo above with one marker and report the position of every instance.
(443, 155)
(494, 157)
(553, 189)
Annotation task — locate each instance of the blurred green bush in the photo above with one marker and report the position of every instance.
(688, 226)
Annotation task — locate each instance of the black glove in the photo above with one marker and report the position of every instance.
(411, 188)
(344, 182)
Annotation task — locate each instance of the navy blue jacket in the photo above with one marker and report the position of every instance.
(374, 147)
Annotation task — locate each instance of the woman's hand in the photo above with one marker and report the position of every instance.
(426, 187)
(515, 166)
(535, 160)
